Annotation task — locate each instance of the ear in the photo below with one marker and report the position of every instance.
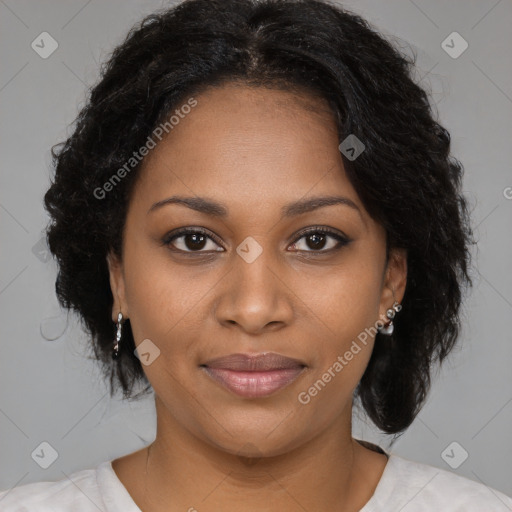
(395, 279)
(117, 285)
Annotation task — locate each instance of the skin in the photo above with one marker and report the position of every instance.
(254, 150)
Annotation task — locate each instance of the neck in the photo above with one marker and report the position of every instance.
(331, 471)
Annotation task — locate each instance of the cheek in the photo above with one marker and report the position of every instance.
(350, 298)
(347, 307)
(162, 298)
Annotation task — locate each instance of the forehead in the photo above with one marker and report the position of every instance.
(249, 144)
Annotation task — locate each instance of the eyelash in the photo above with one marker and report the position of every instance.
(342, 240)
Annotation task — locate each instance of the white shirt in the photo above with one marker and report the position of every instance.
(404, 486)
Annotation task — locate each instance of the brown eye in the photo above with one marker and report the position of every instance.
(317, 239)
(191, 240)
(194, 241)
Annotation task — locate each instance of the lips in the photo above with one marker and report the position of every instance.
(254, 362)
(254, 375)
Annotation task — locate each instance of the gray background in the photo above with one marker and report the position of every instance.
(50, 392)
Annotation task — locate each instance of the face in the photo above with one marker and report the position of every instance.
(258, 272)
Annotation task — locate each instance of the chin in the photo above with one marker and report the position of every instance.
(269, 438)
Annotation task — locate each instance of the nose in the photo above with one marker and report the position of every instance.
(255, 296)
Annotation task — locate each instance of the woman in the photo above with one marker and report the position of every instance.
(258, 217)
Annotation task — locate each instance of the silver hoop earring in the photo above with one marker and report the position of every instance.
(115, 353)
(390, 313)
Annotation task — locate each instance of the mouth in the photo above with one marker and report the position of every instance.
(254, 375)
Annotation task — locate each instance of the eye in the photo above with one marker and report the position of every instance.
(195, 240)
(316, 240)
(191, 240)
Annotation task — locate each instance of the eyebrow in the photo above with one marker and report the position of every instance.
(210, 207)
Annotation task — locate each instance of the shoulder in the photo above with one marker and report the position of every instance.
(78, 492)
(415, 486)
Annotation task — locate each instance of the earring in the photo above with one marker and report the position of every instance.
(115, 353)
(390, 313)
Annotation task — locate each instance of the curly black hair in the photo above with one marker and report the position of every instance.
(406, 177)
